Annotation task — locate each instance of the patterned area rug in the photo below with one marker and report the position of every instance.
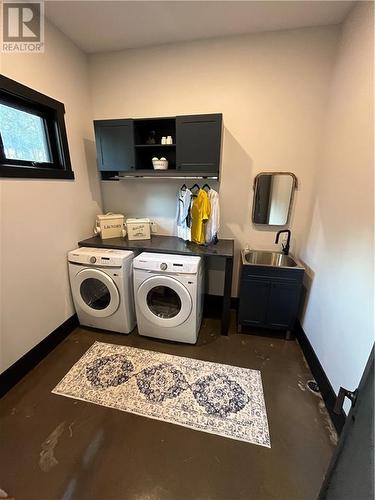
(209, 397)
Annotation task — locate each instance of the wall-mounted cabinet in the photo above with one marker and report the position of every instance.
(128, 146)
(199, 141)
(114, 144)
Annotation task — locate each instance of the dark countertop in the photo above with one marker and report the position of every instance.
(163, 244)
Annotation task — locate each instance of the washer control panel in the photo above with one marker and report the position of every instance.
(103, 257)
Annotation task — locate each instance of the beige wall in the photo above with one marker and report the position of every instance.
(339, 244)
(40, 220)
(272, 90)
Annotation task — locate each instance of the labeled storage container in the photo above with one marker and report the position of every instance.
(110, 226)
(138, 229)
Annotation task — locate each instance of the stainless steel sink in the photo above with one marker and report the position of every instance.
(272, 259)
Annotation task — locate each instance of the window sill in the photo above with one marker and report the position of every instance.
(34, 172)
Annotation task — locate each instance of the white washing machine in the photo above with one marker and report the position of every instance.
(102, 287)
(168, 293)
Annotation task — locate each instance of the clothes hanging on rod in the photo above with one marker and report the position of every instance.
(198, 214)
(183, 213)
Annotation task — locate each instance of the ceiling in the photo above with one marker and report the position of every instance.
(102, 26)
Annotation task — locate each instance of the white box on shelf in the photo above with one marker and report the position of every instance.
(110, 226)
(138, 229)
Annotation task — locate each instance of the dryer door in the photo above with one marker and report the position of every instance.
(164, 301)
(96, 293)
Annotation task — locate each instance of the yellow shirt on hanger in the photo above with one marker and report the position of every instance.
(200, 212)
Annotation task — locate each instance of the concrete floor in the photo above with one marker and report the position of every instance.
(97, 453)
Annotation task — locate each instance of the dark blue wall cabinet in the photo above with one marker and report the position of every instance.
(199, 142)
(269, 297)
(115, 144)
(129, 145)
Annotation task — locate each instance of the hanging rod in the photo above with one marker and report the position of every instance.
(126, 177)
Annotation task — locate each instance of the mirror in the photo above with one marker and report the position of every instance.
(273, 195)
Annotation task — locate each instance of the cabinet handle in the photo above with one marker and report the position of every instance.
(344, 393)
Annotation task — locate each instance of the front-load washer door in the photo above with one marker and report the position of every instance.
(96, 293)
(164, 301)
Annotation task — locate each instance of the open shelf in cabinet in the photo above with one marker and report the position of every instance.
(156, 128)
(144, 156)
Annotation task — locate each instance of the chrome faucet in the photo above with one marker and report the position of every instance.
(287, 245)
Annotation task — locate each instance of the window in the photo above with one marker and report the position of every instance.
(23, 135)
(33, 139)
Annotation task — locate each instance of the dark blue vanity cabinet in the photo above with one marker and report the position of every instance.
(115, 144)
(269, 297)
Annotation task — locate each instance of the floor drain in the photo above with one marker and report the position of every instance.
(312, 386)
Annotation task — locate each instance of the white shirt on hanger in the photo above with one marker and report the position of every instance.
(183, 214)
(213, 223)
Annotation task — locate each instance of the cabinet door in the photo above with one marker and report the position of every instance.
(198, 143)
(283, 305)
(115, 144)
(254, 296)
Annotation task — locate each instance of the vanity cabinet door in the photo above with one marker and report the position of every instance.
(115, 145)
(254, 296)
(283, 305)
(198, 143)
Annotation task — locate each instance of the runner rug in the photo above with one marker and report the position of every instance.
(209, 397)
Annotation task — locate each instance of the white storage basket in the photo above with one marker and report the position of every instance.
(161, 164)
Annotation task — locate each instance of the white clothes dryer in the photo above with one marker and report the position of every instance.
(168, 292)
(102, 287)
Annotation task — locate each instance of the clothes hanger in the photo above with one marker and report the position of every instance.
(194, 186)
(183, 187)
(206, 186)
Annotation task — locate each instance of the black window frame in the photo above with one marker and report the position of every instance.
(52, 112)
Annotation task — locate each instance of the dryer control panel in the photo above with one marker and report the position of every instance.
(168, 263)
